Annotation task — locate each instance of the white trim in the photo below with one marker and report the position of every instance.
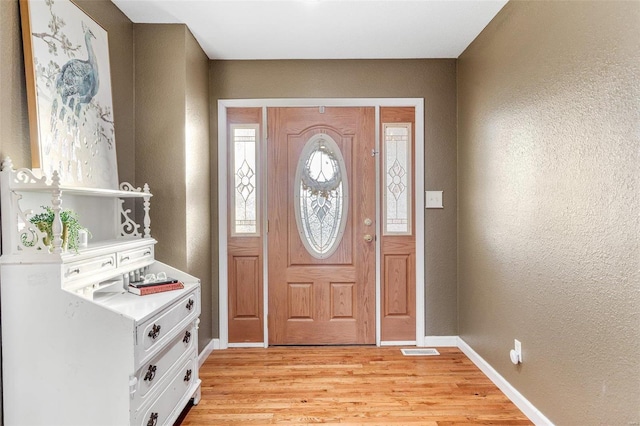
(211, 346)
(223, 273)
(378, 215)
(441, 341)
(246, 345)
(265, 226)
(398, 343)
(417, 103)
(516, 397)
(419, 221)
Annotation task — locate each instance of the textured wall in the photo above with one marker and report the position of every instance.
(160, 134)
(198, 177)
(172, 150)
(433, 80)
(14, 120)
(548, 174)
(120, 31)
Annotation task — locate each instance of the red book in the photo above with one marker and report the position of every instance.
(155, 289)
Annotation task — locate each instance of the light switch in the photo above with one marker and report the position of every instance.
(433, 199)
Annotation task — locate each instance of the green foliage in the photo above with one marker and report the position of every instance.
(70, 223)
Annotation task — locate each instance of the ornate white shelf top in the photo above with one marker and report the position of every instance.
(21, 236)
(26, 180)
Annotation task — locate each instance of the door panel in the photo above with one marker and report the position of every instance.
(398, 249)
(244, 236)
(316, 298)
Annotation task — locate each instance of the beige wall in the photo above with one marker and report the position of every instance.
(14, 120)
(548, 181)
(433, 80)
(160, 134)
(198, 178)
(172, 149)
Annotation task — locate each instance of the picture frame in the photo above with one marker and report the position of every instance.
(69, 94)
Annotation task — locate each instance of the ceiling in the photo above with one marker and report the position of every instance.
(323, 29)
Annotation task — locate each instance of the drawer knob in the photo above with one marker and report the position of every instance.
(155, 331)
(74, 271)
(189, 304)
(187, 376)
(153, 419)
(151, 373)
(122, 259)
(187, 337)
(108, 262)
(148, 252)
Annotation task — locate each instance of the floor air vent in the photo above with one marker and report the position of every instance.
(420, 352)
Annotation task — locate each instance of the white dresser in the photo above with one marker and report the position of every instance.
(77, 349)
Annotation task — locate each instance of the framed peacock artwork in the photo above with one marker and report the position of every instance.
(69, 94)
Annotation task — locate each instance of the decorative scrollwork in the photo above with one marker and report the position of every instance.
(126, 186)
(29, 236)
(128, 226)
(26, 176)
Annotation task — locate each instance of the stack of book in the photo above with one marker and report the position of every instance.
(141, 288)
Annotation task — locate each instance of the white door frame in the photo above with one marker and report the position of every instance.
(223, 104)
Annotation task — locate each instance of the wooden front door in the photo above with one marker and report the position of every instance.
(321, 225)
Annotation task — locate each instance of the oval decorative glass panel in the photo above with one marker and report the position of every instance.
(321, 196)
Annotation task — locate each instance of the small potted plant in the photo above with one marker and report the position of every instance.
(70, 227)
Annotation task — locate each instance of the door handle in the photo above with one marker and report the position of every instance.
(368, 238)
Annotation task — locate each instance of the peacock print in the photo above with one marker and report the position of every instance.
(78, 80)
(76, 128)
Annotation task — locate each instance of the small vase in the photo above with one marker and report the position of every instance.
(48, 239)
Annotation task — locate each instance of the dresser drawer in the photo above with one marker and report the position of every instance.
(155, 332)
(129, 257)
(80, 269)
(155, 371)
(164, 407)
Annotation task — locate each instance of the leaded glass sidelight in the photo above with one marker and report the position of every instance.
(321, 196)
(244, 143)
(397, 178)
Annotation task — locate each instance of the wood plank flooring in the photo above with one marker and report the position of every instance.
(354, 385)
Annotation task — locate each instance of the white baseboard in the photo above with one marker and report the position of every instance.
(246, 345)
(441, 341)
(398, 343)
(213, 345)
(516, 397)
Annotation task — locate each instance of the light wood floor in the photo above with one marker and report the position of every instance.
(347, 385)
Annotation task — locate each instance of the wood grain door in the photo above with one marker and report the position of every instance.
(244, 233)
(398, 239)
(321, 213)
